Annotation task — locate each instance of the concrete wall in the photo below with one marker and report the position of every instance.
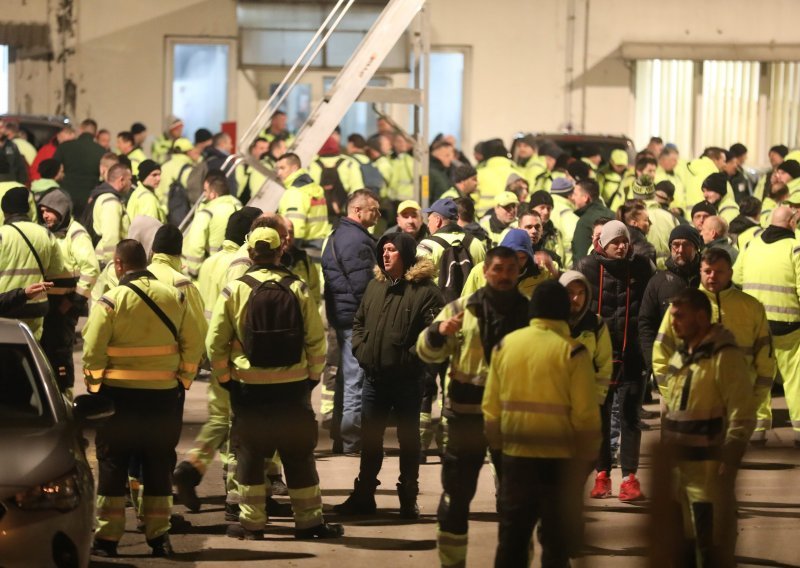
(528, 68)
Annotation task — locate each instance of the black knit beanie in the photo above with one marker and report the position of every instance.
(168, 240)
(550, 300)
(239, 224)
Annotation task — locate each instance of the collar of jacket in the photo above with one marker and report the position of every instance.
(558, 326)
(591, 205)
(136, 275)
(495, 224)
(43, 184)
(356, 224)
(773, 234)
(689, 272)
(423, 270)
(230, 246)
(451, 227)
(146, 187)
(173, 261)
(717, 338)
(298, 178)
(720, 243)
(15, 218)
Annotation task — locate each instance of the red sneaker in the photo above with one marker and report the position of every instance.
(602, 486)
(630, 490)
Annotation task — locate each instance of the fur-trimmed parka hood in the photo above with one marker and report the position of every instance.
(420, 271)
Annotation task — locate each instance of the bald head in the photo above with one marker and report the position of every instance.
(714, 228)
(784, 217)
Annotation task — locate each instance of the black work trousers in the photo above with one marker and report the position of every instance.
(542, 490)
(58, 340)
(274, 417)
(380, 395)
(629, 394)
(143, 426)
(461, 465)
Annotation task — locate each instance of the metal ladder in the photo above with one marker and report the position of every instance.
(349, 86)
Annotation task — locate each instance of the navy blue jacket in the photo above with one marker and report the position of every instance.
(348, 272)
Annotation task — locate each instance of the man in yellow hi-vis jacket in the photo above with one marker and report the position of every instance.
(270, 373)
(141, 351)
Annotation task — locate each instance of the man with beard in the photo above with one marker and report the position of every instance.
(682, 271)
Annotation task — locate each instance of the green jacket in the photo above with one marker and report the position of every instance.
(582, 239)
(391, 317)
(81, 159)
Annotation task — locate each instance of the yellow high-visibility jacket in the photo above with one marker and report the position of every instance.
(212, 276)
(305, 205)
(207, 231)
(224, 342)
(526, 285)
(127, 345)
(745, 318)
(143, 201)
(79, 257)
(19, 268)
(710, 408)
(167, 269)
(468, 361)
(452, 233)
(110, 221)
(552, 413)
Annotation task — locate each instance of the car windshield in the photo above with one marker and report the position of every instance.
(23, 403)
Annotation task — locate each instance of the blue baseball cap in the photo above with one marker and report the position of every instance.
(445, 207)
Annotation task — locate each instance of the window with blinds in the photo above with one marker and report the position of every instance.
(783, 106)
(664, 93)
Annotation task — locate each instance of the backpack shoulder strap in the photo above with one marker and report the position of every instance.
(156, 310)
(250, 281)
(30, 246)
(338, 163)
(466, 242)
(440, 241)
(184, 167)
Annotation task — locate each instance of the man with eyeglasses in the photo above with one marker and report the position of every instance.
(769, 270)
(682, 271)
(501, 218)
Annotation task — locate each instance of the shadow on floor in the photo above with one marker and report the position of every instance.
(238, 554)
(745, 561)
(767, 466)
(632, 551)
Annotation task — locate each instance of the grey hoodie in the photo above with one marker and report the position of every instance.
(575, 276)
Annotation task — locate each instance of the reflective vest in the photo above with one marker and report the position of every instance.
(708, 397)
(679, 198)
(161, 150)
(697, 172)
(178, 166)
(305, 205)
(349, 171)
(532, 169)
(553, 412)
(226, 334)
(401, 180)
(598, 344)
(771, 274)
(127, 345)
(207, 231)
(136, 156)
(565, 220)
(143, 201)
(661, 224)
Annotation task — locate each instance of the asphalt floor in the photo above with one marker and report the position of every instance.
(617, 534)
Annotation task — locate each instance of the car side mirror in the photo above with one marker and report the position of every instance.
(92, 408)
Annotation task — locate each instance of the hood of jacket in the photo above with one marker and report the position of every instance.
(59, 202)
(330, 148)
(741, 223)
(574, 276)
(421, 271)
(773, 234)
(299, 178)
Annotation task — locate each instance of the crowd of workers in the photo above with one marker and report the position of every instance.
(549, 294)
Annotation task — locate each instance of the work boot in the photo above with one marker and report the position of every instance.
(407, 492)
(104, 548)
(277, 485)
(232, 512)
(323, 530)
(278, 509)
(186, 478)
(161, 546)
(361, 500)
(238, 531)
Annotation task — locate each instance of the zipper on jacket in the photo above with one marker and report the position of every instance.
(687, 385)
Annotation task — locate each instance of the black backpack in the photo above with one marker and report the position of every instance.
(273, 328)
(454, 266)
(335, 193)
(373, 180)
(178, 205)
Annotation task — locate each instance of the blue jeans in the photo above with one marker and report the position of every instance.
(353, 380)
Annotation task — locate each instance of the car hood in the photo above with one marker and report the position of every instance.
(34, 456)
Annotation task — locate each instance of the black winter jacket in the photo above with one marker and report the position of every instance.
(664, 286)
(618, 275)
(391, 316)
